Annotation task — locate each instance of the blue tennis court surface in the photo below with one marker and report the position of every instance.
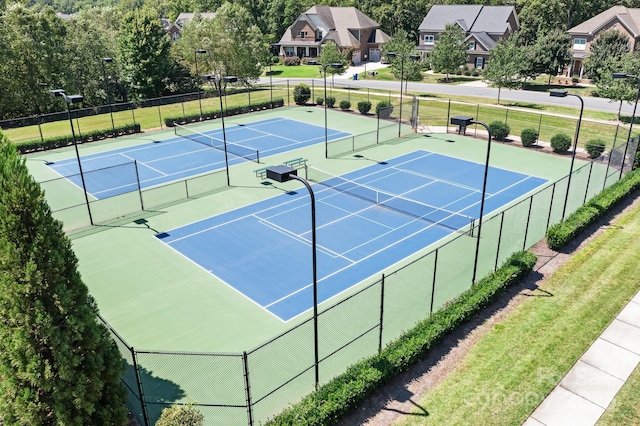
(263, 250)
(113, 172)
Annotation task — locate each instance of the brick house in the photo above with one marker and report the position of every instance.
(175, 30)
(483, 26)
(619, 18)
(346, 26)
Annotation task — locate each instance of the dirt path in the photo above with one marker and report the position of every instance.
(401, 396)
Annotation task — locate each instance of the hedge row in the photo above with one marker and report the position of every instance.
(561, 233)
(345, 392)
(61, 141)
(211, 114)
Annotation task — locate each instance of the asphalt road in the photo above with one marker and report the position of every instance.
(522, 96)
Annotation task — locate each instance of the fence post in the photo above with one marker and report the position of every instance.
(506, 117)
(475, 130)
(40, 128)
(381, 314)
(288, 99)
(133, 116)
(135, 165)
(495, 267)
(586, 191)
(433, 283)
(159, 114)
(539, 126)
(448, 115)
(613, 148)
(247, 387)
(553, 191)
(182, 104)
(313, 90)
(526, 228)
(143, 404)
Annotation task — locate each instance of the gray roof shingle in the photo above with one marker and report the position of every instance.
(628, 17)
(471, 18)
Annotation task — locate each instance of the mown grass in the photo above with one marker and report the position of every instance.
(297, 71)
(624, 410)
(517, 363)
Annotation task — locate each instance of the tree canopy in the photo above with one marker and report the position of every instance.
(504, 69)
(450, 52)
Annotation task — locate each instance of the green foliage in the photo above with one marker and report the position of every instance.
(331, 101)
(561, 233)
(560, 142)
(331, 54)
(499, 130)
(58, 364)
(61, 141)
(529, 136)
(364, 107)
(346, 391)
(384, 109)
(403, 46)
(595, 147)
(320, 101)
(291, 61)
(505, 69)
(143, 48)
(551, 52)
(607, 52)
(215, 113)
(450, 52)
(345, 105)
(301, 94)
(538, 18)
(181, 415)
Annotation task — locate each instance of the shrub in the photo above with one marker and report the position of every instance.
(384, 109)
(331, 101)
(467, 71)
(275, 60)
(345, 105)
(291, 61)
(320, 101)
(181, 415)
(301, 94)
(529, 136)
(499, 130)
(211, 114)
(560, 142)
(364, 107)
(595, 147)
(575, 79)
(475, 72)
(561, 233)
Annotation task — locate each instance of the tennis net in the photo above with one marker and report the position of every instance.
(212, 142)
(453, 221)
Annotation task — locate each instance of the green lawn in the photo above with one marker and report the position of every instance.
(517, 363)
(298, 71)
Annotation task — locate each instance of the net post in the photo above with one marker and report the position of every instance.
(381, 314)
(247, 387)
(433, 283)
(135, 165)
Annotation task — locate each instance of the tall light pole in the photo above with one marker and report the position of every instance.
(335, 66)
(633, 115)
(464, 122)
(217, 80)
(402, 59)
(106, 90)
(195, 59)
(74, 99)
(284, 174)
(559, 93)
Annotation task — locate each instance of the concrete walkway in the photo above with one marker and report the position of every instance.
(360, 69)
(586, 391)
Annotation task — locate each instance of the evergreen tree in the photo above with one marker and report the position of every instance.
(58, 365)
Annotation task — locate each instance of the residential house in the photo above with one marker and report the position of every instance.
(484, 26)
(619, 18)
(175, 30)
(347, 26)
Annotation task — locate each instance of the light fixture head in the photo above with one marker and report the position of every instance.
(281, 173)
(201, 51)
(558, 93)
(461, 120)
(619, 75)
(107, 60)
(74, 99)
(391, 54)
(229, 79)
(56, 92)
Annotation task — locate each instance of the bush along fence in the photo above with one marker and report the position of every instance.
(562, 233)
(213, 114)
(62, 141)
(434, 290)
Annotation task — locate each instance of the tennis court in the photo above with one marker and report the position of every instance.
(189, 153)
(367, 220)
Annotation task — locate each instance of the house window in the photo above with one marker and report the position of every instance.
(302, 34)
(472, 45)
(579, 43)
(479, 63)
(428, 39)
(289, 51)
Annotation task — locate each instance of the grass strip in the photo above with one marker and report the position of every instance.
(624, 409)
(343, 393)
(519, 361)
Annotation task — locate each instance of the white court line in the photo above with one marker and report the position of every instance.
(182, 154)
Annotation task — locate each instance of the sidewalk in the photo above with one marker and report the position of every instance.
(586, 391)
(360, 69)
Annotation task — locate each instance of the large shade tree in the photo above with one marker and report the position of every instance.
(505, 68)
(450, 51)
(58, 365)
(403, 47)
